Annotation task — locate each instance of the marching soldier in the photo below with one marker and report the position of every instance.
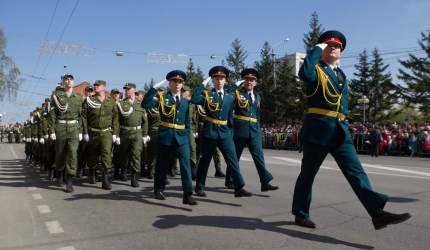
(173, 134)
(82, 149)
(100, 125)
(326, 130)
(133, 130)
(247, 125)
(65, 129)
(217, 130)
(143, 166)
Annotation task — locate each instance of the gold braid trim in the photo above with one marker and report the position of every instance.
(172, 111)
(240, 103)
(213, 107)
(323, 79)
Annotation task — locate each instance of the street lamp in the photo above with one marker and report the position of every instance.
(274, 58)
(363, 100)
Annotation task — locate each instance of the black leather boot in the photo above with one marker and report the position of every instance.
(105, 181)
(79, 171)
(60, 179)
(124, 174)
(69, 185)
(116, 175)
(91, 176)
(134, 182)
(218, 171)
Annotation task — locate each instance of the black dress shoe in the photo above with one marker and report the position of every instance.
(305, 222)
(159, 196)
(268, 187)
(229, 186)
(242, 193)
(200, 193)
(382, 218)
(188, 199)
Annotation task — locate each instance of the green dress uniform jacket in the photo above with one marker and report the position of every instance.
(173, 135)
(100, 122)
(247, 131)
(133, 127)
(65, 121)
(217, 131)
(325, 130)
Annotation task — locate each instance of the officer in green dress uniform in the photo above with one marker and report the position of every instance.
(173, 134)
(217, 130)
(325, 130)
(82, 150)
(101, 129)
(65, 129)
(247, 125)
(133, 128)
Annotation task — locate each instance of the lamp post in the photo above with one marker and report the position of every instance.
(363, 100)
(274, 75)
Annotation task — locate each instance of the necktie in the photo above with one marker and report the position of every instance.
(220, 95)
(338, 75)
(177, 101)
(252, 97)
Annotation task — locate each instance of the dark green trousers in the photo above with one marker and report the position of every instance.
(348, 162)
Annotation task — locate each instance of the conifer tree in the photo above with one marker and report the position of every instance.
(310, 39)
(236, 59)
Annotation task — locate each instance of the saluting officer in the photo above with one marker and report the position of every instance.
(65, 129)
(101, 128)
(247, 126)
(133, 128)
(217, 130)
(325, 130)
(173, 134)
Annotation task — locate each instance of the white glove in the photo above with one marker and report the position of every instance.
(146, 139)
(80, 137)
(35, 139)
(28, 139)
(159, 84)
(118, 141)
(239, 82)
(196, 135)
(205, 82)
(42, 141)
(113, 138)
(24, 139)
(322, 45)
(46, 136)
(53, 137)
(86, 138)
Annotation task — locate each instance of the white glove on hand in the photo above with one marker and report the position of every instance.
(28, 139)
(239, 82)
(113, 138)
(42, 141)
(46, 137)
(86, 138)
(322, 45)
(159, 84)
(118, 141)
(53, 137)
(24, 139)
(80, 137)
(146, 139)
(35, 139)
(205, 82)
(196, 135)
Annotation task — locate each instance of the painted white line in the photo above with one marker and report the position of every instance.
(245, 159)
(32, 188)
(44, 209)
(13, 152)
(299, 162)
(37, 196)
(66, 248)
(397, 169)
(54, 227)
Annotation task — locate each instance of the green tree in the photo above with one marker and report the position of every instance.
(194, 77)
(265, 85)
(416, 75)
(9, 74)
(310, 39)
(236, 59)
(359, 85)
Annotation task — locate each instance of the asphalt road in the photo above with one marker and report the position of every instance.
(35, 214)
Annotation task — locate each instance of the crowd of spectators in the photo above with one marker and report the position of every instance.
(397, 139)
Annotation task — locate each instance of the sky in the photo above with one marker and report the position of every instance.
(90, 32)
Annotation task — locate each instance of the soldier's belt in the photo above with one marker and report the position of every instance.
(172, 125)
(245, 118)
(100, 130)
(326, 112)
(67, 121)
(131, 128)
(217, 122)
